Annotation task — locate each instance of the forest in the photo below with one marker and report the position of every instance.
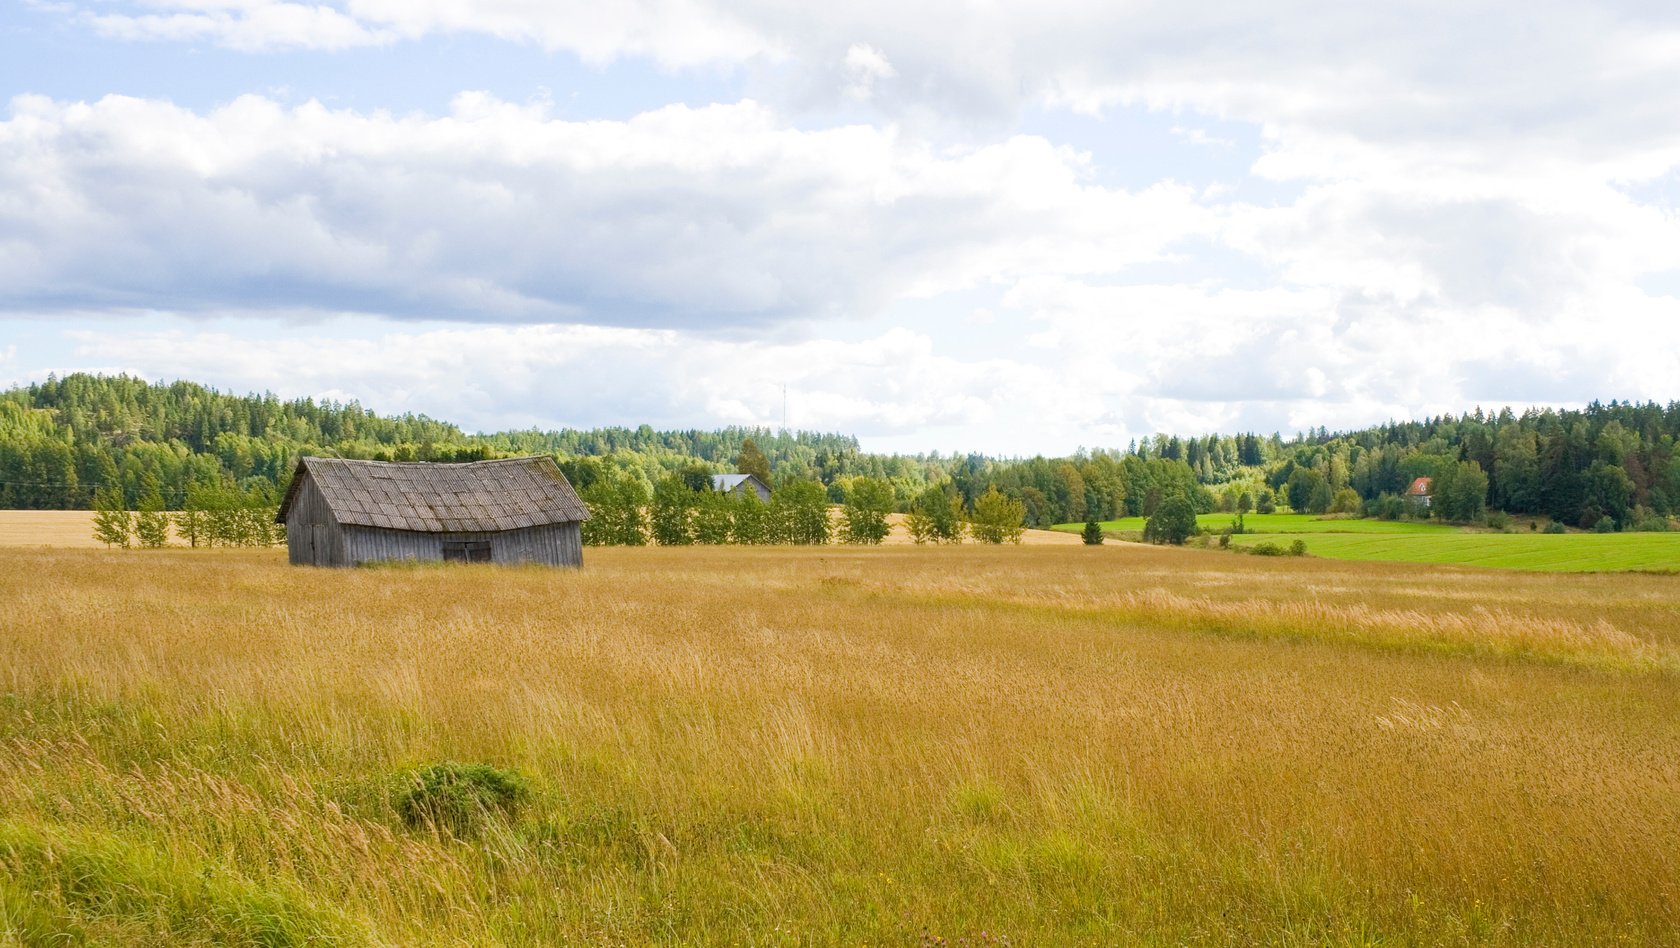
(65, 439)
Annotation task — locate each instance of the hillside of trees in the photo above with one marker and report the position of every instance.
(64, 440)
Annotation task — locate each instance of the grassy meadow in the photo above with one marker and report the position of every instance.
(1029, 746)
(1411, 541)
(1283, 523)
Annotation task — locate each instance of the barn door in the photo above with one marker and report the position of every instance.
(320, 544)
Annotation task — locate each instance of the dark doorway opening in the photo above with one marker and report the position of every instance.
(466, 551)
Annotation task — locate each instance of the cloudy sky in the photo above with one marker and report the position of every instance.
(1005, 226)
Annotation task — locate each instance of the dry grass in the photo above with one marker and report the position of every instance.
(59, 528)
(826, 746)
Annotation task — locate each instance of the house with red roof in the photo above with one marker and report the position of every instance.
(1418, 493)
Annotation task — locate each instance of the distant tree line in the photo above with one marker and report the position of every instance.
(1615, 463)
(63, 440)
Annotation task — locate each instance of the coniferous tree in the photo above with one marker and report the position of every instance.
(1093, 535)
(752, 461)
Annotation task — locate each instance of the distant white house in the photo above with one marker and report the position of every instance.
(740, 484)
(1418, 493)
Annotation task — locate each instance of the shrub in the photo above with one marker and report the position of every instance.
(1390, 507)
(1225, 540)
(1093, 535)
(1604, 525)
(1268, 548)
(1554, 527)
(1498, 519)
(1298, 548)
(1652, 524)
(1267, 504)
(1345, 501)
(458, 798)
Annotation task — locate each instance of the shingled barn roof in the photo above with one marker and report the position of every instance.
(478, 497)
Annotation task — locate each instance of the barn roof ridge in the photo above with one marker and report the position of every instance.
(434, 497)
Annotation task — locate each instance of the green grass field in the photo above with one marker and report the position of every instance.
(1408, 541)
(1574, 553)
(1282, 523)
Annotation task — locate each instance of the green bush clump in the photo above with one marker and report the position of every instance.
(459, 798)
(1604, 525)
(1298, 548)
(1554, 527)
(1267, 548)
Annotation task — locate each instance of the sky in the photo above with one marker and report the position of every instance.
(1009, 227)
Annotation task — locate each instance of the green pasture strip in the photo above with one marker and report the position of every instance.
(1572, 553)
(1285, 523)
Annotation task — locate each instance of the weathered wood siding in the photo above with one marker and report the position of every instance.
(558, 544)
(313, 536)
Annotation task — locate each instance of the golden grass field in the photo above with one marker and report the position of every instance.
(1047, 745)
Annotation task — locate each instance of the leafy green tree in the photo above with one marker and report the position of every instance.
(1245, 502)
(1093, 535)
(151, 527)
(752, 461)
(1321, 498)
(799, 512)
(935, 516)
(1609, 491)
(997, 518)
(751, 520)
(113, 525)
(864, 516)
(1267, 502)
(1173, 522)
(671, 512)
(1306, 486)
(713, 517)
(616, 503)
(1459, 492)
(191, 527)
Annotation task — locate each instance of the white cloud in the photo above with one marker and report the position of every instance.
(864, 66)
(717, 217)
(1468, 200)
(891, 383)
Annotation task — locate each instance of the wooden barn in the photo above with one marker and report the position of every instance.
(516, 510)
(741, 484)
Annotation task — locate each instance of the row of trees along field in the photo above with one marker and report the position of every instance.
(683, 509)
(210, 516)
(64, 439)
